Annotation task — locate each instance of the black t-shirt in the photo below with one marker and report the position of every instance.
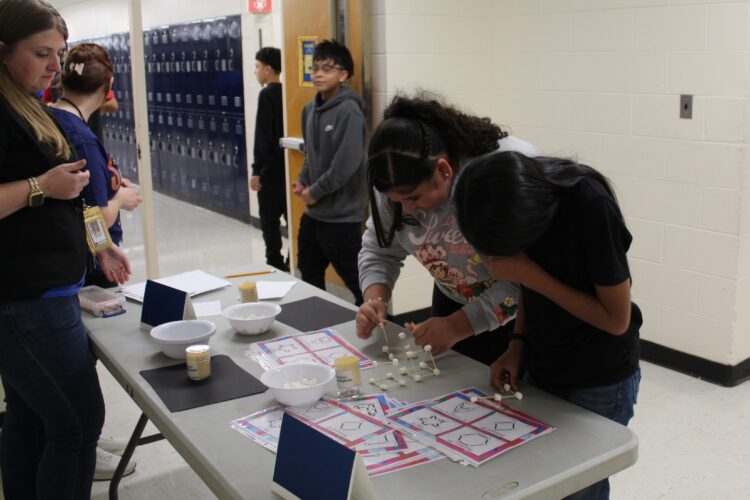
(43, 247)
(584, 246)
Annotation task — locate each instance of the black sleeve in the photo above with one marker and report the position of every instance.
(606, 241)
(4, 132)
(263, 149)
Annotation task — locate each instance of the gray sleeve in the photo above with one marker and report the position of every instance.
(493, 308)
(379, 265)
(347, 160)
(304, 174)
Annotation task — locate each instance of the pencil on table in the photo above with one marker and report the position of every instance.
(269, 271)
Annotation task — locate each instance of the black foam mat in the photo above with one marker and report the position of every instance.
(314, 313)
(227, 381)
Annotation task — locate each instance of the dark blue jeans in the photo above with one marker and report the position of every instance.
(55, 409)
(615, 402)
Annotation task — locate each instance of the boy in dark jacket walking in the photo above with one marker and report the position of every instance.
(332, 182)
(268, 177)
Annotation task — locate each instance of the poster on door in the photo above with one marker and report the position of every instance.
(306, 49)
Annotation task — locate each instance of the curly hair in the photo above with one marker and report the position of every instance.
(414, 133)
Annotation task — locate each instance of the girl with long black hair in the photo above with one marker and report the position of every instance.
(554, 226)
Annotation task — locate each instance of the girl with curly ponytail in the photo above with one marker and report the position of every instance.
(413, 157)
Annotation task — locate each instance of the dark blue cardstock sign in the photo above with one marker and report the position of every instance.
(309, 464)
(162, 304)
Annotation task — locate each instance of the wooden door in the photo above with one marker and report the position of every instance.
(303, 20)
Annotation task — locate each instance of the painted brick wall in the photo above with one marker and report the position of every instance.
(600, 80)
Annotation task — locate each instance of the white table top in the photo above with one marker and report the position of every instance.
(584, 449)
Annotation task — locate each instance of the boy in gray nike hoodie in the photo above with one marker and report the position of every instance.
(332, 182)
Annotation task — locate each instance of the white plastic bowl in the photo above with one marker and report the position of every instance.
(252, 318)
(275, 378)
(174, 337)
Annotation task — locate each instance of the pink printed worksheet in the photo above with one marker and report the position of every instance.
(470, 432)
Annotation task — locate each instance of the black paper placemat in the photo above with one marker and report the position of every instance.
(313, 313)
(227, 381)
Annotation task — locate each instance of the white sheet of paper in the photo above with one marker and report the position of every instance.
(192, 282)
(273, 289)
(212, 308)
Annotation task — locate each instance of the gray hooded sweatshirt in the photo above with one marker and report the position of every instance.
(334, 167)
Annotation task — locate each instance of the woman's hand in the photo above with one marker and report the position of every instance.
(370, 315)
(506, 368)
(65, 181)
(441, 333)
(255, 183)
(115, 264)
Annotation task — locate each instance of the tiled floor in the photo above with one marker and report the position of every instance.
(693, 441)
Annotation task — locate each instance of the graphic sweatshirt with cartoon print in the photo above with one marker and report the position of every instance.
(437, 243)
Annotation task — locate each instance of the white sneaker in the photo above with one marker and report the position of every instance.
(115, 446)
(106, 463)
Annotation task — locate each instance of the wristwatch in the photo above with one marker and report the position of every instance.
(36, 196)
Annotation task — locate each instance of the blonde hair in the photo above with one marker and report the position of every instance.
(20, 19)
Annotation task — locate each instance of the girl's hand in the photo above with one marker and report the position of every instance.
(370, 315)
(128, 197)
(440, 333)
(506, 368)
(517, 268)
(65, 181)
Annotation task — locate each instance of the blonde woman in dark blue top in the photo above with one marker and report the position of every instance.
(554, 226)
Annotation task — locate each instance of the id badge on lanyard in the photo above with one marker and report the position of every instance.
(97, 234)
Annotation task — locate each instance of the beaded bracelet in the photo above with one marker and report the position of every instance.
(378, 299)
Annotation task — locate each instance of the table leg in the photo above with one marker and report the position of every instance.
(135, 440)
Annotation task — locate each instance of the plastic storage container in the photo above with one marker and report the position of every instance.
(100, 302)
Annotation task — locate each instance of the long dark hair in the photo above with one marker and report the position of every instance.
(404, 148)
(505, 201)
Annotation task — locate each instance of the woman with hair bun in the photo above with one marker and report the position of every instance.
(413, 158)
(55, 409)
(86, 80)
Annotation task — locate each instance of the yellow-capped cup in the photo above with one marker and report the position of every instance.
(248, 291)
(348, 377)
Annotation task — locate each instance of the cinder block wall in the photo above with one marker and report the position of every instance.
(600, 80)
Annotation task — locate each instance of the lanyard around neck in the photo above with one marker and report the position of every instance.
(74, 105)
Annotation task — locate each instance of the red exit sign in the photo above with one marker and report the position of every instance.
(259, 6)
